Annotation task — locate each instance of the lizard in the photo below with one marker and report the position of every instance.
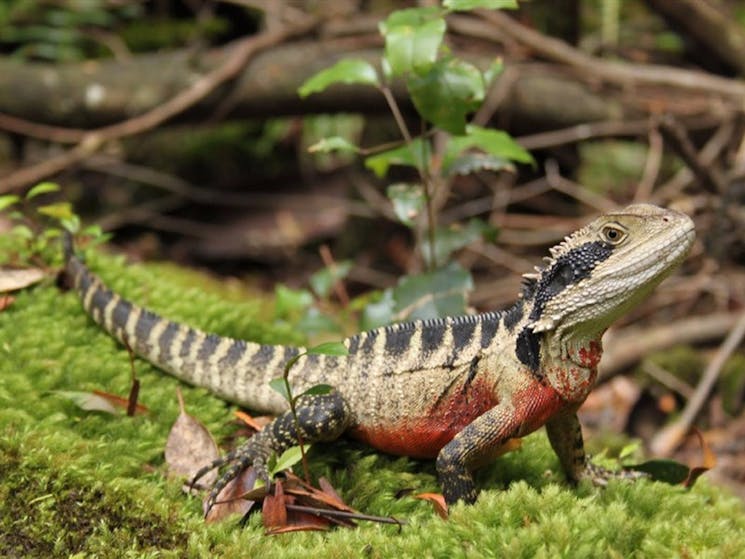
(452, 389)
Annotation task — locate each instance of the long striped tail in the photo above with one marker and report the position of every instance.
(234, 370)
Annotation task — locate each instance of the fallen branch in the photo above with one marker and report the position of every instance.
(671, 436)
(626, 347)
(90, 140)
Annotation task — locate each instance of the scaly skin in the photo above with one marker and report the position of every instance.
(455, 389)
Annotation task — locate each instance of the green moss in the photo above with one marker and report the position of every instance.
(92, 484)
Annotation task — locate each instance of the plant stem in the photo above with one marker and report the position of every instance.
(293, 410)
(422, 170)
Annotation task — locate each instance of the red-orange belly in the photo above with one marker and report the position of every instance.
(422, 435)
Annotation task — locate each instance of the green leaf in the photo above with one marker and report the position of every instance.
(289, 301)
(71, 224)
(408, 201)
(42, 188)
(318, 390)
(378, 313)
(449, 91)
(60, 211)
(466, 5)
(8, 200)
(349, 71)
(94, 231)
(22, 231)
(629, 449)
(415, 155)
(279, 385)
(322, 281)
(329, 348)
(287, 460)
(668, 471)
(335, 143)
(412, 39)
(494, 142)
(471, 162)
(314, 322)
(450, 239)
(435, 294)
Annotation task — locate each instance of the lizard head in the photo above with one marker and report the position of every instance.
(601, 271)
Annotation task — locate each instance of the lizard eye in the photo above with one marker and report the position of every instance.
(613, 234)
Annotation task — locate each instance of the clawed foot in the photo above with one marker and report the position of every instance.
(600, 476)
(238, 460)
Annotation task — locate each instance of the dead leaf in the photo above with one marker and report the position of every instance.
(709, 460)
(274, 510)
(120, 402)
(438, 502)
(190, 447)
(255, 423)
(15, 279)
(88, 401)
(231, 500)
(5, 301)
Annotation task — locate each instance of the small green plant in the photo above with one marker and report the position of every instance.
(33, 239)
(282, 385)
(445, 90)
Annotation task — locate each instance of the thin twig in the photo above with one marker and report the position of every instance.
(678, 138)
(622, 73)
(557, 182)
(670, 437)
(90, 140)
(344, 514)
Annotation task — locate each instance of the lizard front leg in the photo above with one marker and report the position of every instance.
(319, 418)
(478, 442)
(565, 435)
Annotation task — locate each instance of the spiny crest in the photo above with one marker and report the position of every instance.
(531, 279)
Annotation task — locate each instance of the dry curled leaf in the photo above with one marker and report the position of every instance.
(438, 502)
(232, 499)
(190, 447)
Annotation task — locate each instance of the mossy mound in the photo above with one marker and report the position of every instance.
(91, 484)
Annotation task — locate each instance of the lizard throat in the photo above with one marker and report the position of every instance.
(573, 373)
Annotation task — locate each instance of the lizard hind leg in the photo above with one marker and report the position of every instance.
(319, 418)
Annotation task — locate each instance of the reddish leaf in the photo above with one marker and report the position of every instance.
(120, 402)
(5, 301)
(274, 510)
(709, 460)
(438, 502)
(329, 490)
(302, 522)
(231, 500)
(190, 447)
(255, 423)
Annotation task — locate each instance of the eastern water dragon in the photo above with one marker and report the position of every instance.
(455, 389)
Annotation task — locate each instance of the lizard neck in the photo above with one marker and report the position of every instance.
(571, 364)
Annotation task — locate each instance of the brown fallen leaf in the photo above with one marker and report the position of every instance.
(12, 279)
(190, 447)
(274, 510)
(120, 401)
(438, 502)
(231, 500)
(255, 423)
